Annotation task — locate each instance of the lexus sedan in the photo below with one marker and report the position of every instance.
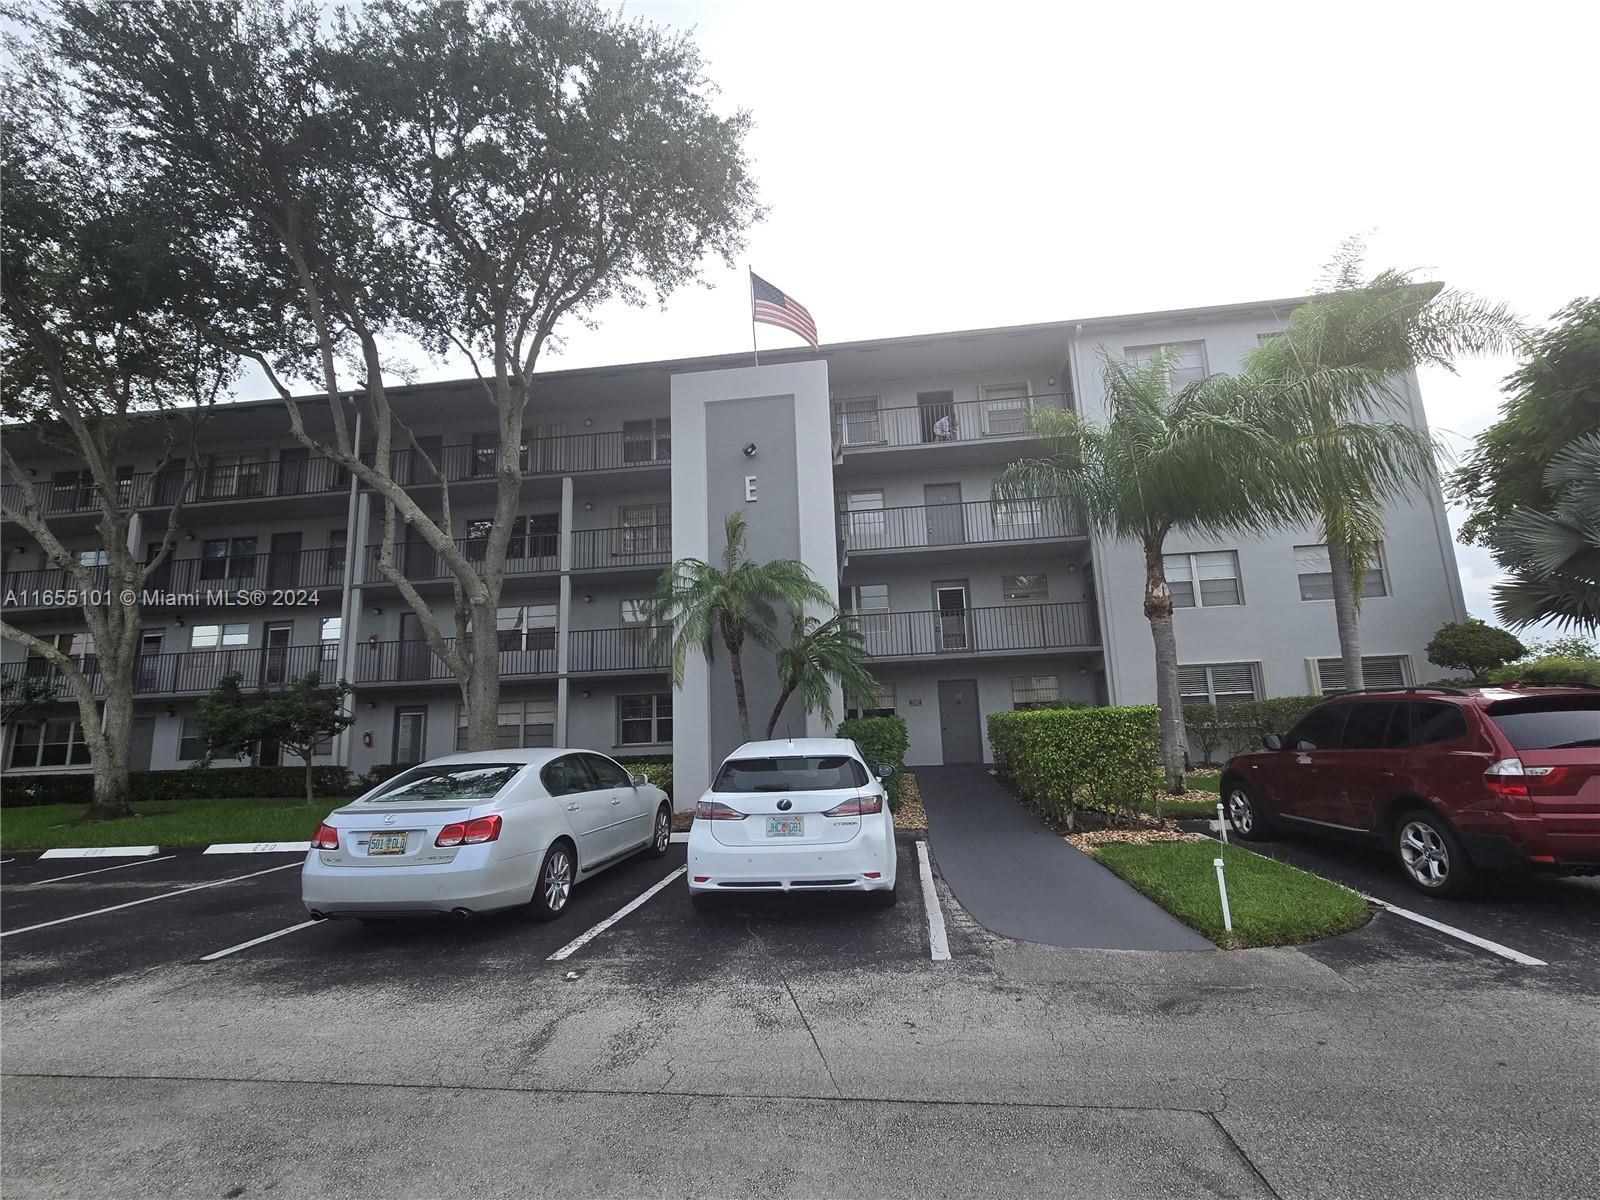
(789, 816)
(477, 833)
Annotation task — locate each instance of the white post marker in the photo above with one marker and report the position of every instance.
(258, 848)
(583, 939)
(938, 942)
(103, 852)
(1222, 890)
(1222, 824)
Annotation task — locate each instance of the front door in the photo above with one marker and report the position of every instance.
(950, 603)
(938, 413)
(946, 519)
(147, 668)
(628, 826)
(143, 741)
(292, 477)
(283, 568)
(161, 578)
(959, 733)
(275, 639)
(410, 734)
(414, 654)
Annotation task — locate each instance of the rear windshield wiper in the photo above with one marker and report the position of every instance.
(1581, 743)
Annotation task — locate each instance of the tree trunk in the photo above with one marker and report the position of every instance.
(311, 795)
(482, 693)
(777, 711)
(736, 664)
(1346, 615)
(1158, 611)
(110, 767)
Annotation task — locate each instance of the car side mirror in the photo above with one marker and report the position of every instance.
(638, 779)
(1272, 742)
(884, 770)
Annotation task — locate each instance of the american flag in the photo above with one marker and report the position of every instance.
(772, 307)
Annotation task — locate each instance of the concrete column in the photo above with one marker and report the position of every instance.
(564, 612)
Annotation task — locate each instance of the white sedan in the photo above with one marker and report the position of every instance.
(798, 815)
(475, 833)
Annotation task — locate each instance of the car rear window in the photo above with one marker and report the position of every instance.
(799, 774)
(460, 781)
(1549, 722)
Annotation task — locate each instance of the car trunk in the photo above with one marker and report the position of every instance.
(370, 833)
(1558, 740)
(786, 818)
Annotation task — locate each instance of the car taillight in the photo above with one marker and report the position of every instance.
(715, 810)
(1509, 777)
(326, 838)
(860, 806)
(479, 829)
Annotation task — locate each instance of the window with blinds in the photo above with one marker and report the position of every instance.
(1381, 671)
(1005, 409)
(1217, 683)
(1206, 580)
(1186, 362)
(1027, 691)
(1316, 574)
(521, 724)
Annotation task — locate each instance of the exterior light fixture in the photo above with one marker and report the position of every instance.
(750, 450)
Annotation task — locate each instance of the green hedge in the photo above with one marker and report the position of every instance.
(191, 783)
(880, 740)
(658, 767)
(1219, 731)
(1108, 759)
(1552, 669)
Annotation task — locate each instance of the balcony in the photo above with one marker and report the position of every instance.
(598, 651)
(1009, 629)
(415, 661)
(222, 581)
(987, 523)
(537, 554)
(566, 454)
(956, 423)
(621, 547)
(190, 672)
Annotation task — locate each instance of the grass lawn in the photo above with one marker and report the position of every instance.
(1273, 904)
(1205, 783)
(1187, 808)
(165, 823)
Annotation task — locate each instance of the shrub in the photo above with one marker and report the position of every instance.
(1106, 759)
(1239, 725)
(1473, 646)
(880, 740)
(1550, 670)
(226, 783)
(657, 767)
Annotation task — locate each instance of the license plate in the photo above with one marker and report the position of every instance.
(786, 826)
(386, 843)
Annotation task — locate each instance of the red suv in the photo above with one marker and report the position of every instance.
(1453, 782)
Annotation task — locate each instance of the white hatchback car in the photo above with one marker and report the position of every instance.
(798, 815)
(475, 833)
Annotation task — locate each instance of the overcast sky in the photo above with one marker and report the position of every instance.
(937, 166)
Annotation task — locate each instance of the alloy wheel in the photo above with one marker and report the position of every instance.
(1424, 854)
(663, 832)
(1240, 812)
(557, 880)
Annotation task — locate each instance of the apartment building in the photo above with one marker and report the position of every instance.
(872, 462)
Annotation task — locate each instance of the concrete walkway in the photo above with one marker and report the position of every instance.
(1022, 881)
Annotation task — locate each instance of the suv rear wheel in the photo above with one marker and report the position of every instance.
(1431, 856)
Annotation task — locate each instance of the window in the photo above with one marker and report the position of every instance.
(191, 744)
(1024, 589)
(879, 704)
(458, 781)
(1380, 671)
(91, 558)
(649, 440)
(864, 515)
(802, 773)
(1263, 338)
(646, 528)
(1005, 409)
(331, 627)
(1186, 363)
(210, 637)
(1374, 725)
(1432, 722)
(636, 612)
(1549, 722)
(1030, 691)
(228, 558)
(857, 420)
(1316, 574)
(566, 776)
(236, 474)
(536, 535)
(870, 603)
(606, 773)
(1010, 515)
(1217, 683)
(520, 724)
(54, 743)
(644, 720)
(333, 564)
(71, 490)
(485, 453)
(1208, 579)
(1320, 729)
(527, 627)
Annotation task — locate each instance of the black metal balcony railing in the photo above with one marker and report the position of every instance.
(623, 546)
(971, 522)
(525, 555)
(562, 455)
(237, 481)
(216, 577)
(979, 630)
(415, 661)
(927, 424)
(630, 648)
(192, 672)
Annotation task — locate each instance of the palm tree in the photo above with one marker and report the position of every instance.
(1190, 463)
(1553, 557)
(697, 603)
(818, 653)
(1334, 386)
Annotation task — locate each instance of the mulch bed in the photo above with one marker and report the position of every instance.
(910, 815)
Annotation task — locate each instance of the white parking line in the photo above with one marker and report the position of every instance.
(583, 939)
(938, 943)
(147, 900)
(1516, 956)
(266, 937)
(99, 870)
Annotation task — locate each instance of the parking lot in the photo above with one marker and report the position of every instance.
(220, 1045)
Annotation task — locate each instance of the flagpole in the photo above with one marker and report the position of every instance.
(754, 349)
